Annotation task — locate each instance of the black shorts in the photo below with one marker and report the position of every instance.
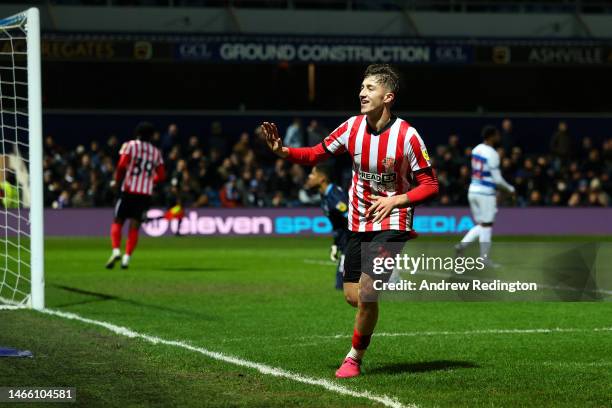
(132, 206)
(363, 247)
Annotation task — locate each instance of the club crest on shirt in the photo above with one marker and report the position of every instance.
(388, 164)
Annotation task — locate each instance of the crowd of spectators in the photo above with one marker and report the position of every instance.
(573, 173)
(212, 172)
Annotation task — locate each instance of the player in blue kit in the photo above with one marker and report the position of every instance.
(482, 193)
(334, 205)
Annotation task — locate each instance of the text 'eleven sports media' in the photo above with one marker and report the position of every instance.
(198, 224)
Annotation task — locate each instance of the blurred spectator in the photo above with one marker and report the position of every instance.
(298, 177)
(574, 200)
(242, 147)
(315, 133)
(561, 144)
(170, 138)
(535, 198)
(450, 157)
(81, 200)
(257, 189)
(85, 169)
(593, 164)
(556, 200)
(279, 180)
(586, 144)
(294, 136)
(9, 191)
(607, 153)
(63, 201)
(230, 195)
(96, 155)
(278, 200)
(508, 141)
(193, 145)
(216, 139)
(597, 197)
(202, 173)
(453, 145)
(112, 148)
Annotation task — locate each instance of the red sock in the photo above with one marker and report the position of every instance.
(132, 240)
(116, 235)
(361, 341)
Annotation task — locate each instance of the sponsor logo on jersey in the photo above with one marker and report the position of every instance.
(425, 154)
(379, 178)
(341, 207)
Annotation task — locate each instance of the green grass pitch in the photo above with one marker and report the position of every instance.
(269, 301)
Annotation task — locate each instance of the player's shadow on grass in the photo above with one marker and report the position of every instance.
(421, 367)
(93, 297)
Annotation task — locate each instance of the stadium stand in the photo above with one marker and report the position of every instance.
(208, 172)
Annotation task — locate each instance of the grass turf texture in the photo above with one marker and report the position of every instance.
(258, 300)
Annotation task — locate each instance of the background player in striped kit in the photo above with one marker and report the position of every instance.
(333, 203)
(482, 193)
(391, 174)
(140, 167)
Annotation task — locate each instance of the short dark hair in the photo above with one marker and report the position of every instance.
(144, 131)
(386, 75)
(325, 170)
(488, 132)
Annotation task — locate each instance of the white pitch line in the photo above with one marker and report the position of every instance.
(445, 333)
(11, 307)
(476, 332)
(262, 368)
(319, 262)
(576, 364)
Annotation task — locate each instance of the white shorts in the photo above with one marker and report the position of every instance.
(483, 207)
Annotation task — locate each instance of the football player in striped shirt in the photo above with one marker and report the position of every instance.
(140, 167)
(391, 175)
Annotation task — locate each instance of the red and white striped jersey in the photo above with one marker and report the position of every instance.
(144, 160)
(383, 165)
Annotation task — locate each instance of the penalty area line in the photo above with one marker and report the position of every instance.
(262, 368)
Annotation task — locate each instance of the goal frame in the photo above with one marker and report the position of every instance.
(37, 260)
(36, 298)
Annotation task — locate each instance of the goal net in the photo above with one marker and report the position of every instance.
(21, 189)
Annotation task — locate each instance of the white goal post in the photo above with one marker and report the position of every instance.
(21, 163)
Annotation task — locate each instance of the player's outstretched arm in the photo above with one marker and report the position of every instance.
(301, 155)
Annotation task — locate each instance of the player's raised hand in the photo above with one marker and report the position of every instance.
(273, 139)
